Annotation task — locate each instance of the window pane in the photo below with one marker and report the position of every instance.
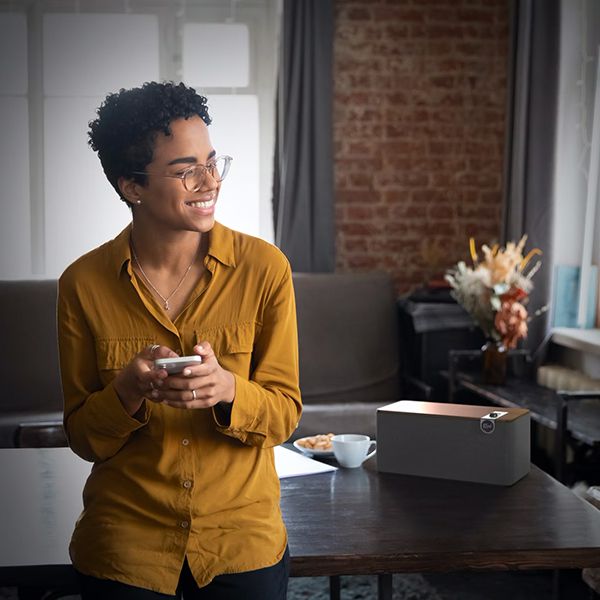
(235, 131)
(215, 55)
(15, 227)
(82, 210)
(93, 54)
(13, 53)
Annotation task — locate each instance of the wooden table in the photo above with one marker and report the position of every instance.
(353, 521)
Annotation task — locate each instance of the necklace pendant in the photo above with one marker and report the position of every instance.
(165, 300)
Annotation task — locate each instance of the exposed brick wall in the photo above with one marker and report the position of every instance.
(419, 118)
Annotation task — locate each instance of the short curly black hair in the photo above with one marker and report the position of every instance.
(128, 121)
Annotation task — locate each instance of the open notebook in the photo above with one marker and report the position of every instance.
(291, 464)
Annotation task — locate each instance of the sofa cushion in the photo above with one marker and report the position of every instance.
(348, 338)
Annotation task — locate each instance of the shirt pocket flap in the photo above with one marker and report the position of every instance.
(229, 339)
(117, 353)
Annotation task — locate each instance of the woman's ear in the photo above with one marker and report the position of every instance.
(130, 190)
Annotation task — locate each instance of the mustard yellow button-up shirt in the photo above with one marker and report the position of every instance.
(176, 483)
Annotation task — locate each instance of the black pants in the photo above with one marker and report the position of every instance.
(267, 584)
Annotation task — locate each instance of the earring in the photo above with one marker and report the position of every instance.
(138, 202)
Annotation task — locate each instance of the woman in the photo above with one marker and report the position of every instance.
(183, 495)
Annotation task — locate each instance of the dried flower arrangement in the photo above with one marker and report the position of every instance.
(495, 290)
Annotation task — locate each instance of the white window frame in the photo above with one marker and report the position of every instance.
(260, 16)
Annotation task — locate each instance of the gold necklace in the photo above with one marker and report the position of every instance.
(165, 300)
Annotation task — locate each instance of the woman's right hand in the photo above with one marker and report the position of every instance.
(139, 379)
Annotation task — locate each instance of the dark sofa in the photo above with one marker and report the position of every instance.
(348, 356)
(29, 354)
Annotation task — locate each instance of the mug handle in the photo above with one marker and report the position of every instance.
(373, 442)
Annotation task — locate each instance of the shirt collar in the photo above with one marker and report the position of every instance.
(121, 252)
(220, 246)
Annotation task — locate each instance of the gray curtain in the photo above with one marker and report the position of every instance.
(303, 173)
(530, 135)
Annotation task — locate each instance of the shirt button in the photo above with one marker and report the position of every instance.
(184, 524)
(185, 441)
(187, 484)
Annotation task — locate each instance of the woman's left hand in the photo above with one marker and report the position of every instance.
(200, 386)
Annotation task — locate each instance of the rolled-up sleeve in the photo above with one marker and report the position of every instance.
(267, 406)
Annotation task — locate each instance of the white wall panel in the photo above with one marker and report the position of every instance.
(93, 54)
(216, 55)
(13, 53)
(86, 56)
(82, 210)
(235, 131)
(15, 227)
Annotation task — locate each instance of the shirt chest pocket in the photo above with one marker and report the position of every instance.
(232, 345)
(113, 354)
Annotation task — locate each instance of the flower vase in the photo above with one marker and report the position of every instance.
(494, 362)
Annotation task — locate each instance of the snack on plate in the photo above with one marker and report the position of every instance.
(322, 441)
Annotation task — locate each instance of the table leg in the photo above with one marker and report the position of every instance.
(384, 586)
(556, 585)
(561, 438)
(334, 587)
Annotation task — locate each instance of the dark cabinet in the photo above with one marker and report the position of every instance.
(428, 331)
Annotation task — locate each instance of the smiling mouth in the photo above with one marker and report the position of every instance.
(207, 204)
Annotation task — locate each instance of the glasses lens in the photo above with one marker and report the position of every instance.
(222, 167)
(194, 178)
(218, 169)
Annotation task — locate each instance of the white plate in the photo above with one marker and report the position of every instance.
(312, 451)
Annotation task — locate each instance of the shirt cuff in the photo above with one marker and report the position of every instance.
(109, 416)
(244, 408)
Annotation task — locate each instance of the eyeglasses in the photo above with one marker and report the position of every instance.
(193, 178)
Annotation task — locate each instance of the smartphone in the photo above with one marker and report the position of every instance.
(178, 364)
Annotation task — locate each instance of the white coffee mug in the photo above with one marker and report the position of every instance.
(351, 450)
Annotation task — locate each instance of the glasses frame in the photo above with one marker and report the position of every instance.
(209, 168)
